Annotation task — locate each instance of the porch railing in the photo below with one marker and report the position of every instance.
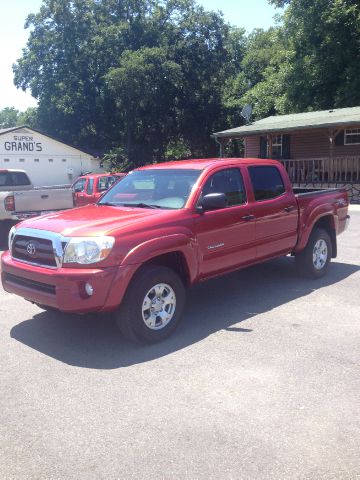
(338, 169)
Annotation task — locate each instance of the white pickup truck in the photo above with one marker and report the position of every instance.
(19, 199)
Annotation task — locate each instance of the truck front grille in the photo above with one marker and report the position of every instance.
(37, 251)
(24, 282)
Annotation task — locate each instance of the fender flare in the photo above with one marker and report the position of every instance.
(162, 245)
(307, 227)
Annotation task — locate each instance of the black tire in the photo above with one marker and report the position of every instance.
(4, 232)
(312, 267)
(130, 317)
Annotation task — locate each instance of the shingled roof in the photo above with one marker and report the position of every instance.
(345, 117)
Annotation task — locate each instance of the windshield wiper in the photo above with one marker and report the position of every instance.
(140, 205)
(109, 204)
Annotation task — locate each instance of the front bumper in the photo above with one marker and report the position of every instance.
(64, 288)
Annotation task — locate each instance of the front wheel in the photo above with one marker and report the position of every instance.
(314, 260)
(152, 306)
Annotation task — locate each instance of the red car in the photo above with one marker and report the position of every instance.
(89, 188)
(165, 227)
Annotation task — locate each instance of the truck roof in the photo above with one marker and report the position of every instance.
(202, 163)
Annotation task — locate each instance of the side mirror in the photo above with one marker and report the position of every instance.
(213, 201)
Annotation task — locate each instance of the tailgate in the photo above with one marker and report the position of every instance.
(43, 200)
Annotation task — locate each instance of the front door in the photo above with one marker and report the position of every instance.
(226, 236)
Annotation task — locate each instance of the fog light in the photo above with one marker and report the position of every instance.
(89, 289)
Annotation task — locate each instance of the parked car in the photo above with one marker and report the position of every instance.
(19, 199)
(89, 188)
(165, 227)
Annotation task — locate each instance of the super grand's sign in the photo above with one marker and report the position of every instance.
(23, 143)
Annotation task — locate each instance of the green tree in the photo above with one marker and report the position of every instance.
(29, 117)
(144, 86)
(260, 78)
(137, 73)
(324, 38)
(8, 117)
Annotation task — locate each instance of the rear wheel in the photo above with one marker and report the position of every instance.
(314, 260)
(152, 306)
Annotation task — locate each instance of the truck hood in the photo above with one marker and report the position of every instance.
(95, 220)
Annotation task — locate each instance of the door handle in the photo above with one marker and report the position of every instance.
(289, 209)
(247, 218)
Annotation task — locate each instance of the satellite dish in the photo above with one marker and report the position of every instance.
(246, 113)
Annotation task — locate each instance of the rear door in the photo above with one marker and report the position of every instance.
(275, 208)
(225, 237)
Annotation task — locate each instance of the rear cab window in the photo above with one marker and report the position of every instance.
(267, 182)
(11, 179)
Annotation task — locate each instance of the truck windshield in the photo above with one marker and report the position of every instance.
(157, 188)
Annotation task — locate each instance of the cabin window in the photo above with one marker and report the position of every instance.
(36, 159)
(22, 160)
(352, 136)
(280, 146)
(64, 160)
(277, 147)
(51, 160)
(6, 159)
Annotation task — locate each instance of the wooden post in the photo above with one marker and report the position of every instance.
(269, 142)
(332, 135)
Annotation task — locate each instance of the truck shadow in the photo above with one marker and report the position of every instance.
(223, 303)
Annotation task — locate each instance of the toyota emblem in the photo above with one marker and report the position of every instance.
(31, 249)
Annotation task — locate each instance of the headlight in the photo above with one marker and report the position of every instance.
(11, 237)
(85, 250)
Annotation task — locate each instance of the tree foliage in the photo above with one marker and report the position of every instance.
(8, 117)
(11, 117)
(136, 73)
(148, 80)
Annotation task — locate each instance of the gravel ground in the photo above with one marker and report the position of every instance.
(260, 381)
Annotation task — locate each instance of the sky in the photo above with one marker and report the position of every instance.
(249, 14)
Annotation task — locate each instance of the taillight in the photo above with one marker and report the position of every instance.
(9, 203)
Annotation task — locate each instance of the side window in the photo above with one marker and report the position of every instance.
(230, 183)
(267, 182)
(21, 179)
(79, 186)
(89, 188)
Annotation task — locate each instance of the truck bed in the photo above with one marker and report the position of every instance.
(306, 191)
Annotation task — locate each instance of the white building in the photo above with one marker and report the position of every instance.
(46, 160)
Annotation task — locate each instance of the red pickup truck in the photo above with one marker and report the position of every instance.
(165, 227)
(89, 188)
